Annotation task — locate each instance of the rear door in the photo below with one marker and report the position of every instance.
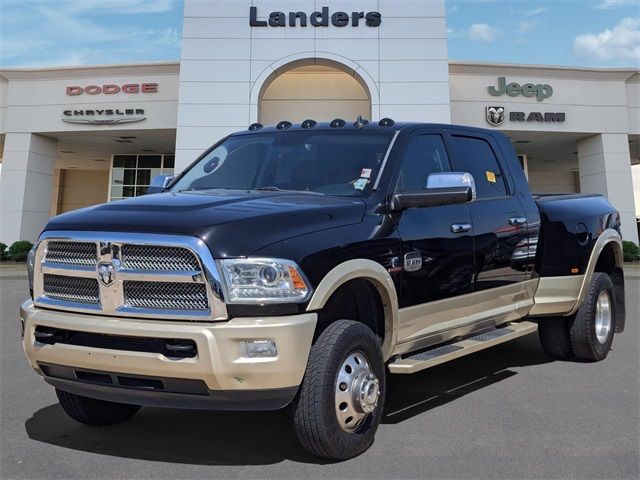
(499, 224)
(437, 246)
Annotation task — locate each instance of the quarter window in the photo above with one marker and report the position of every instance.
(424, 155)
(475, 156)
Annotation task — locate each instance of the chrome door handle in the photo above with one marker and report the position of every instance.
(460, 227)
(515, 221)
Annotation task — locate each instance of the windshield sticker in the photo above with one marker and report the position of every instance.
(366, 173)
(491, 177)
(360, 184)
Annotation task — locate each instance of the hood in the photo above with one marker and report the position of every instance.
(232, 223)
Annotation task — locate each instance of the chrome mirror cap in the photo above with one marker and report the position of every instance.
(451, 180)
(159, 183)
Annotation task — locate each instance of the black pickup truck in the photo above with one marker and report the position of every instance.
(301, 264)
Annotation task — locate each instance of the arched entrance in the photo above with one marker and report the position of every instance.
(314, 88)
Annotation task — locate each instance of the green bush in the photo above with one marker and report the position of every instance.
(19, 250)
(3, 251)
(630, 251)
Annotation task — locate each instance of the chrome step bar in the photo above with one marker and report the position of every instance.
(436, 356)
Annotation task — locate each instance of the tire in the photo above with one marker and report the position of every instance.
(91, 411)
(584, 335)
(554, 337)
(332, 374)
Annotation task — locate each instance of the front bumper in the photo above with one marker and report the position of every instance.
(218, 377)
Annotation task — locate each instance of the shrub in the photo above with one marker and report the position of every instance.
(19, 250)
(630, 251)
(3, 251)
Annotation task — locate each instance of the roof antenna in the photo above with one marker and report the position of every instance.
(360, 122)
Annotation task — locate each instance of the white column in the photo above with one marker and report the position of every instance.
(25, 186)
(605, 168)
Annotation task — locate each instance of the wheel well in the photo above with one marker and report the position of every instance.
(606, 261)
(356, 300)
(607, 264)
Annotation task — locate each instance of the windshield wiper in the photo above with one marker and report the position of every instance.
(268, 189)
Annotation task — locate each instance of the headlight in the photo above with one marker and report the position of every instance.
(31, 261)
(264, 280)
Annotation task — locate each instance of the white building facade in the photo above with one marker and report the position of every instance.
(74, 137)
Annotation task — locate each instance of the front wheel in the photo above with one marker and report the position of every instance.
(339, 406)
(91, 411)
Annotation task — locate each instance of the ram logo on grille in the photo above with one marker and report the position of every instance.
(106, 273)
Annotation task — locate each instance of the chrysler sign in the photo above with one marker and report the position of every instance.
(104, 116)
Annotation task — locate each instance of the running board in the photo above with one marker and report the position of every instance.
(438, 355)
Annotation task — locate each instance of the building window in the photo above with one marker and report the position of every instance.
(524, 163)
(131, 174)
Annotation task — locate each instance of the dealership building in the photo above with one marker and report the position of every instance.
(79, 136)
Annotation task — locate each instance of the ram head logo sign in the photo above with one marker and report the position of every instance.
(106, 273)
(495, 115)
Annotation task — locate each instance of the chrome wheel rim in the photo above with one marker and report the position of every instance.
(357, 391)
(603, 317)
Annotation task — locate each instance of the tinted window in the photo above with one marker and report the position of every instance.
(475, 156)
(333, 163)
(423, 156)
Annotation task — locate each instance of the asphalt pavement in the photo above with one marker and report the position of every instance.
(508, 412)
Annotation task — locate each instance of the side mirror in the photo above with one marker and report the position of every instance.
(446, 188)
(159, 183)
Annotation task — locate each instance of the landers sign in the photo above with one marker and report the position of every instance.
(317, 19)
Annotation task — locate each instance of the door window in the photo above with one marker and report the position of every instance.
(475, 156)
(424, 155)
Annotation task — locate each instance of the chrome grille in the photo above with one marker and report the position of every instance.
(153, 257)
(156, 276)
(71, 289)
(166, 295)
(72, 253)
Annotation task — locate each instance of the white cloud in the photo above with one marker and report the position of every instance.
(610, 4)
(536, 11)
(481, 32)
(525, 26)
(622, 43)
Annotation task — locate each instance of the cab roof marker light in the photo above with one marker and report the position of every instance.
(337, 123)
(284, 125)
(255, 126)
(386, 122)
(361, 122)
(309, 123)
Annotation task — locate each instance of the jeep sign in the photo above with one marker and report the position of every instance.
(513, 89)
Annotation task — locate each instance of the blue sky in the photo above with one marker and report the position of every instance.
(561, 32)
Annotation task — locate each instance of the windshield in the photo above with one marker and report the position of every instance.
(332, 163)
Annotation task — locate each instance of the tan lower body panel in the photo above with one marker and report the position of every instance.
(462, 348)
(218, 363)
(439, 321)
(557, 295)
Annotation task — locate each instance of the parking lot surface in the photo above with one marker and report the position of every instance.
(507, 412)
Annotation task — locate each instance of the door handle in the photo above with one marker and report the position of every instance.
(515, 221)
(460, 227)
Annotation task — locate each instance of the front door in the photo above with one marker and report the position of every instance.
(499, 223)
(437, 246)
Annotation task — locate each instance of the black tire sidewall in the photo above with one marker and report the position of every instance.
(584, 341)
(334, 442)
